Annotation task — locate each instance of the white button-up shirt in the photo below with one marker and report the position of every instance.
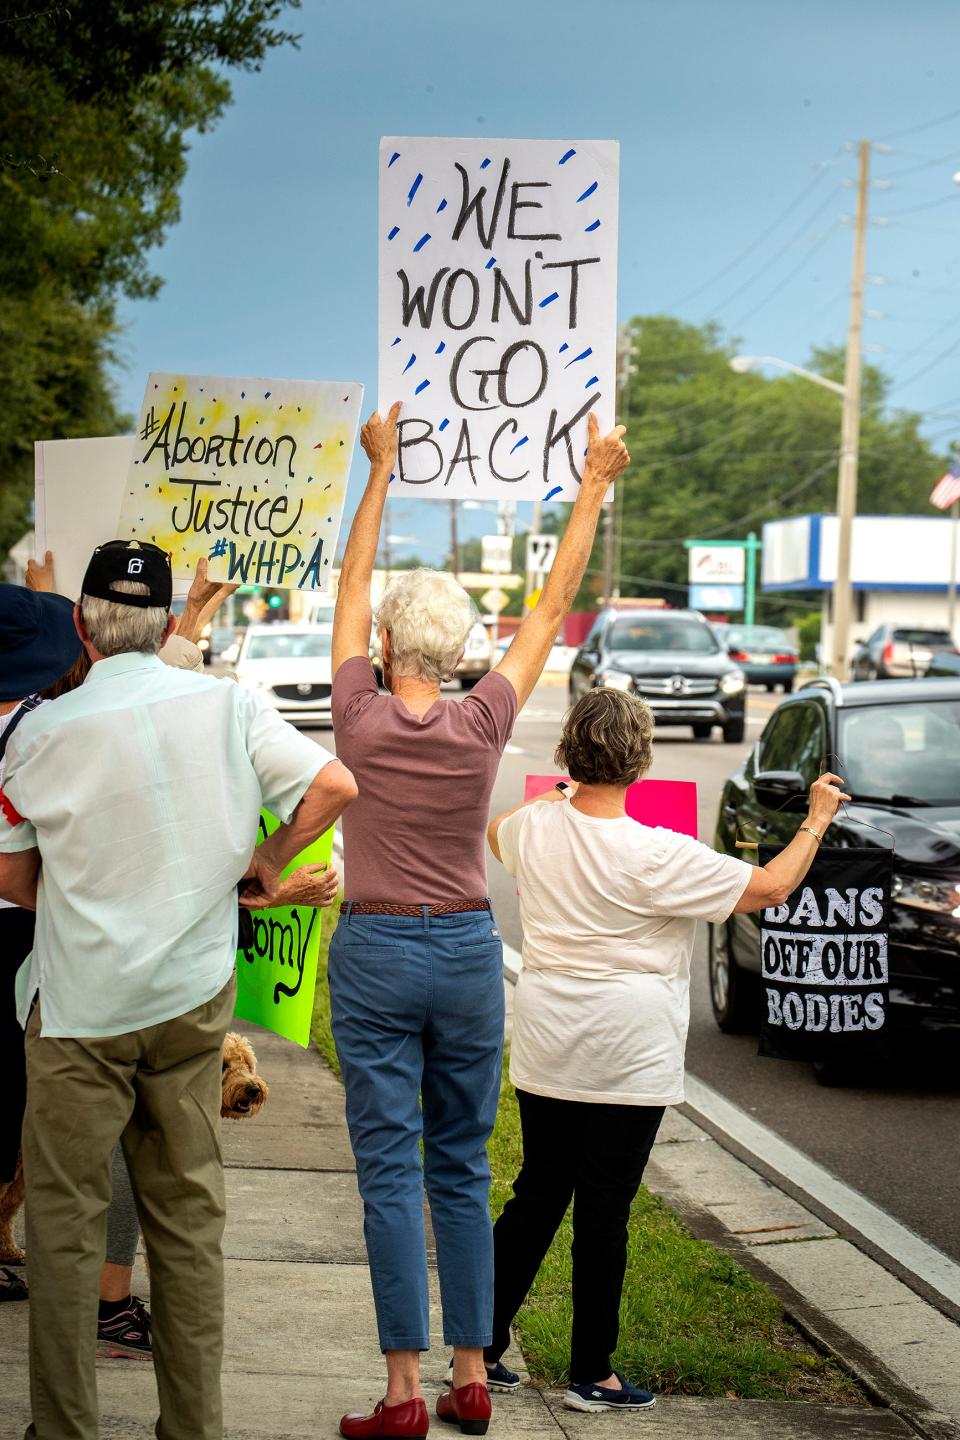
(142, 790)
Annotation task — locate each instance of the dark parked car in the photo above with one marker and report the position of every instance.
(899, 652)
(673, 660)
(897, 746)
(763, 653)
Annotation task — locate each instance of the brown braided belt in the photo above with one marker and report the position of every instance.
(383, 907)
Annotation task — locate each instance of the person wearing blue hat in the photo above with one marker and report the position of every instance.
(38, 645)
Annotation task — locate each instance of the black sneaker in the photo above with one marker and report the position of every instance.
(126, 1336)
(599, 1397)
(498, 1377)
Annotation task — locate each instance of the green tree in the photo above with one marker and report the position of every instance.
(715, 454)
(97, 100)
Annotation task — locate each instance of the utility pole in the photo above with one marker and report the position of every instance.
(454, 542)
(612, 512)
(850, 435)
(952, 583)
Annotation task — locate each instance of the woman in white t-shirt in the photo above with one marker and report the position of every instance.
(609, 911)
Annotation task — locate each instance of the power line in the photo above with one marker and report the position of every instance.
(779, 254)
(925, 165)
(755, 244)
(827, 235)
(924, 125)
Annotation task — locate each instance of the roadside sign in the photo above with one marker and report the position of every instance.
(716, 597)
(533, 599)
(494, 600)
(541, 550)
(716, 564)
(496, 554)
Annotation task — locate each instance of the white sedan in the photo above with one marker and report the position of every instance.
(290, 666)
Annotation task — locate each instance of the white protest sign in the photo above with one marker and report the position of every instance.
(496, 554)
(541, 551)
(250, 473)
(79, 491)
(498, 278)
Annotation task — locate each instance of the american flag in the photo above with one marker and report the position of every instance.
(946, 492)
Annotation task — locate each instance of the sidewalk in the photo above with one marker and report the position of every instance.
(301, 1340)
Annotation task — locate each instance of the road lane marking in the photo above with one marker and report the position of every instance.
(907, 1249)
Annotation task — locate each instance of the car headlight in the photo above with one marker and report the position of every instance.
(733, 683)
(616, 680)
(937, 895)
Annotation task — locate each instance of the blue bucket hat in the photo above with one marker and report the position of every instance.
(38, 640)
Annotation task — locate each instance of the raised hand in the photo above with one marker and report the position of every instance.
(204, 599)
(379, 439)
(607, 456)
(40, 577)
(826, 798)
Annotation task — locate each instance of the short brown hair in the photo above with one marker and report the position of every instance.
(607, 739)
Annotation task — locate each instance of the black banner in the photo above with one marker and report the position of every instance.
(823, 958)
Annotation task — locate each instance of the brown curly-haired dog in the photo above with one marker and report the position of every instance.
(243, 1093)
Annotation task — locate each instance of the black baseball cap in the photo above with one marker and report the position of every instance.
(130, 560)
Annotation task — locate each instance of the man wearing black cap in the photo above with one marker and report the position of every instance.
(140, 792)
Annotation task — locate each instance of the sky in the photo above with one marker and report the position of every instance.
(737, 121)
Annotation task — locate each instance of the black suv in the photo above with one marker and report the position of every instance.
(897, 745)
(673, 660)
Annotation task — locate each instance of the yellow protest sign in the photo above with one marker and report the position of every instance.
(250, 473)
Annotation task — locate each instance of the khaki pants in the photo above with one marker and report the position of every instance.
(158, 1090)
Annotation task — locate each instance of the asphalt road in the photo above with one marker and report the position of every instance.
(896, 1141)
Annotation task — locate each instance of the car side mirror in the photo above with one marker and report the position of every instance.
(781, 790)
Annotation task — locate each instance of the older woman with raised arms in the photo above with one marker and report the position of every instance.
(416, 979)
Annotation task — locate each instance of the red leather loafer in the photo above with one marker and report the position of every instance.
(469, 1407)
(408, 1421)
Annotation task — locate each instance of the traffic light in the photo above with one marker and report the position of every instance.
(275, 601)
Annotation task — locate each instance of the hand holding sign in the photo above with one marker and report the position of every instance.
(378, 439)
(825, 800)
(607, 456)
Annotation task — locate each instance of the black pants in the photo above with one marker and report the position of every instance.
(16, 942)
(594, 1155)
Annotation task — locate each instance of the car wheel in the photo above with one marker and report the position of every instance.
(770, 689)
(788, 687)
(702, 730)
(732, 995)
(873, 673)
(734, 730)
(467, 682)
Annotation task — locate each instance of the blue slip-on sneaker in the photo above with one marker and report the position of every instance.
(498, 1377)
(599, 1397)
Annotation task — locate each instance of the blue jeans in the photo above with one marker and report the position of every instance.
(417, 1010)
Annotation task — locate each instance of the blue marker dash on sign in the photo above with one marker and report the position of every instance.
(564, 346)
(395, 342)
(441, 206)
(421, 242)
(555, 491)
(522, 441)
(589, 191)
(394, 233)
(443, 424)
(440, 348)
(582, 356)
(568, 156)
(594, 379)
(410, 362)
(594, 226)
(413, 189)
(490, 263)
(550, 299)
(393, 158)
(422, 386)
(484, 163)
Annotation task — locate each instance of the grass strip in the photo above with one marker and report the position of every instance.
(692, 1321)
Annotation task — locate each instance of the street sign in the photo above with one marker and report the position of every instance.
(541, 550)
(533, 599)
(716, 564)
(716, 597)
(494, 600)
(496, 554)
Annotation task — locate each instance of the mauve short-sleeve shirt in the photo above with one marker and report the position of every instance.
(416, 835)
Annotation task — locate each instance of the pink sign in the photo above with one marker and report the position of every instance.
(671, 804)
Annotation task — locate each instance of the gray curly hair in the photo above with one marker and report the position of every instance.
(428, 616)
(607, 738)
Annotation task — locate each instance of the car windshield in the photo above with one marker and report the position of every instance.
(923, 637)
(290, 645)
(907, 754)
(757, 637)
(691, 636)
